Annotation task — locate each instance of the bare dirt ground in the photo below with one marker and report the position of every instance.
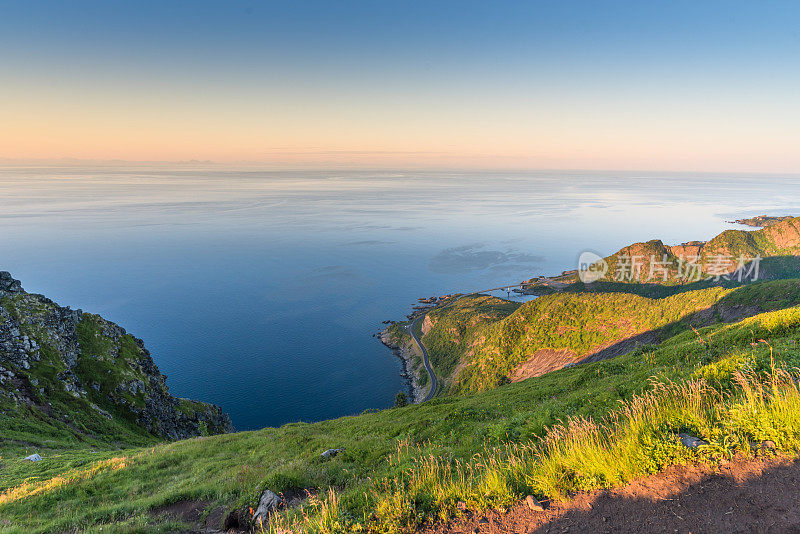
(743, 495)
(204, 517)
(544, 361)
(193, 512)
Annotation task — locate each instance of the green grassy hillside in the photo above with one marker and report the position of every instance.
(71, 379)
(479, 342)
(547, 436)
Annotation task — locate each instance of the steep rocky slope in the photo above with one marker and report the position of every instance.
(69, 376)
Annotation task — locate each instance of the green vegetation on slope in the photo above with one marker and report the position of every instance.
(104, 370)
(73, 379)
(777, 246)
(765, 296)
(404, 466)
(56, 417)
(456, 325)
(478, 342)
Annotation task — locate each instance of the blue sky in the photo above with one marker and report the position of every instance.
(696, 85)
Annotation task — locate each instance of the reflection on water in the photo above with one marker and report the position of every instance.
(260, 291)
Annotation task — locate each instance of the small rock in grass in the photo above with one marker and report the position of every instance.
(533, 503)
(691, 442)
(34, 458)
(767, 446)
(462, 505)
(330, 453)
(268, 503)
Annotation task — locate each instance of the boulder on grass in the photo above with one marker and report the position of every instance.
(690, 441)
(330, 453)
(268, 503)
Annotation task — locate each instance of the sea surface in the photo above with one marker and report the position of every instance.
(261, 290)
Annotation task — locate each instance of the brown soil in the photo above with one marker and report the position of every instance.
(745, 495)
(191, 512)
(785, 234)
(543, 361)
(686, 250)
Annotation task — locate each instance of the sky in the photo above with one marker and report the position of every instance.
(661, 85)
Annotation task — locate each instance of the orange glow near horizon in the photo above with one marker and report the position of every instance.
(494, 137)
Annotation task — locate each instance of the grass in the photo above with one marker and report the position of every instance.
(106, 365)
(35, 486)
(589, 426)
(476, 344)
(57, 418)
(406, 466)
(766, 296)
(640, 437)
(459, 323)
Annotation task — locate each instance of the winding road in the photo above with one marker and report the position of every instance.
(412, 329)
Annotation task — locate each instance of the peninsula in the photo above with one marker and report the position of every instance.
(530, 409)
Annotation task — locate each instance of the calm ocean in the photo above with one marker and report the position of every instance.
(260, 290)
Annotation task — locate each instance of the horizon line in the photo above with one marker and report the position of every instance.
(283, 166)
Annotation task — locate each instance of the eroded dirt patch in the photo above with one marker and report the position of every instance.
(544, 361)
(200, 516)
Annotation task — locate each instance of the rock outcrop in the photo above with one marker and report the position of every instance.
(731, 254)
(58, 362)
(268, 503)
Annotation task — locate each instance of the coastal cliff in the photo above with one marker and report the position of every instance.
(85, 378)
(413, 371)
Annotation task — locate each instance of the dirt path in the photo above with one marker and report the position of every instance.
(745, 495)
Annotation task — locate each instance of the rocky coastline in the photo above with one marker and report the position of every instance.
(59, 363)
(404, 351)
(761, 221)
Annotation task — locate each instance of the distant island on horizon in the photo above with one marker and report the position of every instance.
(762, 221)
